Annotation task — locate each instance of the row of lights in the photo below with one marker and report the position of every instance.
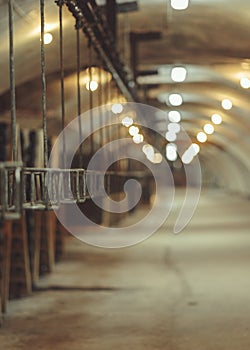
(208, 129)
(174, 128)
(190, 153)
(216, 119)
(179, 74)
(151, 155)
(133, 130)
(194, 149)
(171, 148)
(147, 149)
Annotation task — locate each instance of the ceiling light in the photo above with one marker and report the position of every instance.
(117, 108)
(148, 150)
(174, 127)
(226, 104)
(172, 145)
(201, 137)
(133, 130)
(175, 99)
(138, 138)
(245, 83)
(178, 74)
(190, 153)
(179, 4)
(150, 157)
(216, 119)
(187, 158)
(171, 136)
(209, 129)
(92, 85)
(92, 76)
(171, 152)
(47, 38)
(157, 158)
(127, 121)
(194, 149)
(174, 116)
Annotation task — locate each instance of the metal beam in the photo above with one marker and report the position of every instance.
(135, 39)
(88, 17)
(111, 15)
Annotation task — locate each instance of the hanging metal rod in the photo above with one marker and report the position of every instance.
(89, 18)
(12, 81)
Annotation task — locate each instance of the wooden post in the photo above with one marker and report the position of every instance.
(47, 252)
(6, 255)
(20, 278)
(34, 222)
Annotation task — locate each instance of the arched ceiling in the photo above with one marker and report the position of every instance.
(210, 39)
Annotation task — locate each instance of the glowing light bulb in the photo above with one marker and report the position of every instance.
(157, 159)
(138, 138)
(201, 137)
(117, 108)
(174, 116)
(179, 4)
(148, 150)
(174, 127)
(226, 104)
(47, 38)
(194, 149)
(127, 121)
(187, 158)
(171, 136)
(171, 152)
(209, 129)
(216, 119)
(150, 157)
(175, 99)
(245, 83)
(178, 74)
(133, 130)
(92, 85)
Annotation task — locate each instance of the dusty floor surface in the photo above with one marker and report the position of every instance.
(173, 292)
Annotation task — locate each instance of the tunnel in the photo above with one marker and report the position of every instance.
(124, 174)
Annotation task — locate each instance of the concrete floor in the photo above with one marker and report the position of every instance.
(173, 292)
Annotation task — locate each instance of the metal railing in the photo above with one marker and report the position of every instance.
(46, 189)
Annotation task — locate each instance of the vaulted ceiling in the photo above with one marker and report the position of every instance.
(210, 39)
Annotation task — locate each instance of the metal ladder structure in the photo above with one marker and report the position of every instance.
(24, 189)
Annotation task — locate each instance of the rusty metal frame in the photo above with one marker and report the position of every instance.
(89, 17)
(10, 191)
